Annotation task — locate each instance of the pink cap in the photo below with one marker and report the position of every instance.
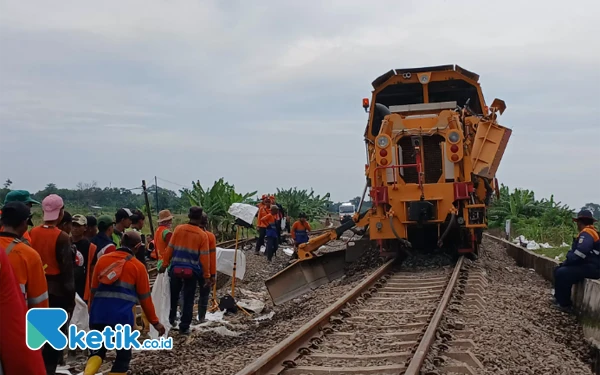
(51, 205)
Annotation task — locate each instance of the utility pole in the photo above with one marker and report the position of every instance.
(148, 211)
(156, 193)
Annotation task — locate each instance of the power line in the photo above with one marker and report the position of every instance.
(173, 183)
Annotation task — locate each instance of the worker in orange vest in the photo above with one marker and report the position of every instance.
(24, 197)
(15, 357)
(115, 290)
(264, 208)
(188, 259)
(270, 224)
(26, 262)
(54, 247)
(205, 288)
(163, 233)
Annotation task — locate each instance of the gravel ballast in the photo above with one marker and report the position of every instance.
(518, 332)
(210, 353)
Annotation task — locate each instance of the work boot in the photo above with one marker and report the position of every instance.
(93, 365)
(202, 314)
(565, 309)
(185, 332)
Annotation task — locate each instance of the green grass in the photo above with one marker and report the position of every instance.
(553, 252)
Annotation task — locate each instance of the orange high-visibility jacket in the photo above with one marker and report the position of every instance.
(212, 250)
(15, 356)
(262, 212)
(267, 219)
(301, 227)
(113, 304)
(161, 240)
(189, 240)
(28, 269)
(26, 236)
(43, 240)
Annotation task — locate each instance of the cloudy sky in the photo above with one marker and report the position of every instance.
(268, 93)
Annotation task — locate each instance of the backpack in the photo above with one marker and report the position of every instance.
(113, 272)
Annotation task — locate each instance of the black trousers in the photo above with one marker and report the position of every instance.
(203, 300)
(52, 356)
(566, 276)
(189, 292)
(278, 222)
(261, 238)
(271, 247)
(121, 363)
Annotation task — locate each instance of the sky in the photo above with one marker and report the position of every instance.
(268, 94)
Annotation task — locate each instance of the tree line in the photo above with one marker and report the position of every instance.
(543, 220)
(215, 199)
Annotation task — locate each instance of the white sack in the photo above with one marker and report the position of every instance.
(225, 262)
(80, 316)
(288, 251)
(532, 245)
(253, 305)
(243, 211)
(161, 298)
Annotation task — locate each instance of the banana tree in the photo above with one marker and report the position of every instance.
(295, 201)
(216, 201)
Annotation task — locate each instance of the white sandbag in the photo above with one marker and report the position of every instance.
(520, 239)
(288, 251)
(225, 262)
(243, 211)
(161, 298)
(545, 245)
(532, 245)
(253, 305)
(80, 316)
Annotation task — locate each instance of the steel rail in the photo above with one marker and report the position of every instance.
(428, 339)
(286, 349)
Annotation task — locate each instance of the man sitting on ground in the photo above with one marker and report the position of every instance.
(582, 262)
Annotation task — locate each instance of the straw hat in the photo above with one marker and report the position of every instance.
(164, 215)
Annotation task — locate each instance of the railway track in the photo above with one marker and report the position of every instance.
(385, 325)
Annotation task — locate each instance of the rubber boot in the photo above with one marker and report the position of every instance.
(93, 365)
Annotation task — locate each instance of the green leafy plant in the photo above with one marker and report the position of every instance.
(295, 201)
(215, 201)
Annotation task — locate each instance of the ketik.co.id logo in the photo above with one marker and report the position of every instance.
(43, 326)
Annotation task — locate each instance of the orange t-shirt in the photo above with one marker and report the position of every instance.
(28, 269)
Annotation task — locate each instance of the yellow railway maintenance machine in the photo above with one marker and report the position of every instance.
(433, 148)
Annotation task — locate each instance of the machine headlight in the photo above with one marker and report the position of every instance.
(453, 137)
(383, 141)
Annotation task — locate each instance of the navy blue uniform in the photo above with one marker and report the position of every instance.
(582, 262)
